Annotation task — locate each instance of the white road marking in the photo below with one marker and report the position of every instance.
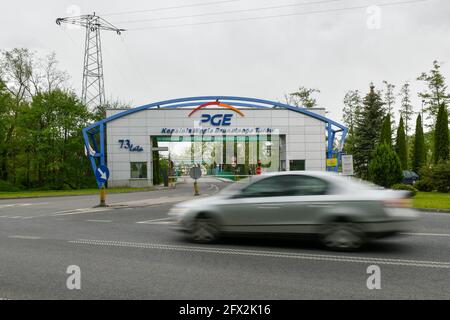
(13, 217)
(213, 186)
(157, 221)
(24, 237)
(63, 213)
(426, 234)
(78, 211)
(270, 254)
(99, 220)
(14, 205)
(151, 202)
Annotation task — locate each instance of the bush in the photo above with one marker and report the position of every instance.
(385, 168)
(440, 175)
(436, 177)
(407, 187)
(5, 186)
(424, 185)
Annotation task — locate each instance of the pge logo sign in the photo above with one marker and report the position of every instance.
(217, 119)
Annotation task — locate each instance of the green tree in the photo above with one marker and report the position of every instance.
(367, 131)
(100, 111)
(441, 147)
(386, 132)
(436, 95)
(389, 98)
(400, 145)
(52, 153)
(24, 77)
(385, 168)
(16, 67)
(419, 153)
(406, 108)
(303, 97)
(351, 111)
(6, 119)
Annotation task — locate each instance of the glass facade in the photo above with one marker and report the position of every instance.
(221, 155)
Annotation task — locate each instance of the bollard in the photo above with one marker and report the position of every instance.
(196, 193)
(102, 197)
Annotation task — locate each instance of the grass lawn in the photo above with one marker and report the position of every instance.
(432, 200)
(58, 193)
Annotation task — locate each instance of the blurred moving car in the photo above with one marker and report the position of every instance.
(342, 211)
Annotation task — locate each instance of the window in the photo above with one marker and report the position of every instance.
(138, 170)
(295, 165)
(286, 185)
(264, 188)
(301, 185)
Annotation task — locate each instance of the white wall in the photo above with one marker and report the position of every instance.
(305, 136)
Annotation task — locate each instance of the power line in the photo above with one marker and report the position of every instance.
(280, 15)
(93, 88)
(132, 62)
(168, 8)
(232, 11)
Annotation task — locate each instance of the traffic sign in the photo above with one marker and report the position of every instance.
(331, 162)
(102, 174)
(347, 164)
(195, 173)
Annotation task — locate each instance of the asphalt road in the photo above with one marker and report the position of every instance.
(131, 253)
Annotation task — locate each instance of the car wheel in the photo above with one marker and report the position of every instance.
(342, 236)
(205, 230)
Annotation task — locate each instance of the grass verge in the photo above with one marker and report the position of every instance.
(432, 200)
(61, 193)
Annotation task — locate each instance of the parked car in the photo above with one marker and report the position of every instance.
(409, 177)
(341, 211)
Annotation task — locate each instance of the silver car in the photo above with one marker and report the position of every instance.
(343, 212)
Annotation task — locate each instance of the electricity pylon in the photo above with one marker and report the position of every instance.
(93, 88)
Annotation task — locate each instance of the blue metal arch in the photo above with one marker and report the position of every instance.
(98, 150)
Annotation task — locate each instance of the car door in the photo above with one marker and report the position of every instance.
(256, 208)
(306, 199)
(280, 204)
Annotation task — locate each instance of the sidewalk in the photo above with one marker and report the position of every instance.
(182, 192)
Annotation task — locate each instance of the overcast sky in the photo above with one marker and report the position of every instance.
(333, 51)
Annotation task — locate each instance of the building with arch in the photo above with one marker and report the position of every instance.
(226, 136)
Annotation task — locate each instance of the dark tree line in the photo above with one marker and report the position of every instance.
(380, 157)
(41, 119)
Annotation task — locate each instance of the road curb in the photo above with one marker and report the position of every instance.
(434, 210)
